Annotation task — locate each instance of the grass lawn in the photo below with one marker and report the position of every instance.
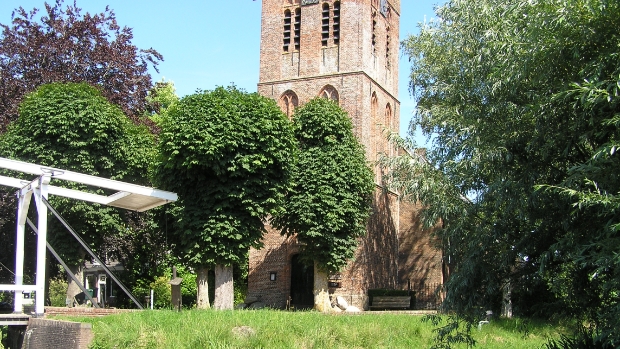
(279, 329)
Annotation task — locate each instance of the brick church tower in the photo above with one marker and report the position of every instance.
(346, 51)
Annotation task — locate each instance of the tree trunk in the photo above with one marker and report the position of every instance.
(202, 295)
(321, 293)
(73, 289)
(78, 270)
(507, 300)
(224, 288)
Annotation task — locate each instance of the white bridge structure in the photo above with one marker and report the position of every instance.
(127, 196)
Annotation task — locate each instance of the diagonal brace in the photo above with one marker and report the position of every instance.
(64, 265)
(85, 246)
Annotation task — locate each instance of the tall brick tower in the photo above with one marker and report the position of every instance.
(347, 51)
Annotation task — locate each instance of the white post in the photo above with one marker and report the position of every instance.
(152, 299)
(22, 212)
(41, 193)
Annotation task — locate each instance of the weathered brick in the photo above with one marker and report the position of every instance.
(364, 75)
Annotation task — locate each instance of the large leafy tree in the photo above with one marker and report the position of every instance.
(72, 126)
(64, 45)
(521, 101)
(228, 154)
(329, 203)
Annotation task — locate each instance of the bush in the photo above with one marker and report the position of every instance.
(584, 338)
(162, 293)
(58, 292)
(241, 289)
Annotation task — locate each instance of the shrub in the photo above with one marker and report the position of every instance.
(58, 292)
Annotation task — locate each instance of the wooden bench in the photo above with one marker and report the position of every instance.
(390, 302)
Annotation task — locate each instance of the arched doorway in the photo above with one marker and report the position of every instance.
(302, 284)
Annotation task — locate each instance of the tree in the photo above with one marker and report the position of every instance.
(159, 99)
(329, 204)
(521, 99)
(228, 155)
(72, 126)
(71, 47)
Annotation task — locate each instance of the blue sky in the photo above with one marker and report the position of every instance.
(208, 43)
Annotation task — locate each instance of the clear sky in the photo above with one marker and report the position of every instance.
(208, 43)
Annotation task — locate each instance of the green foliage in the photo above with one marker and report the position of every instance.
(519, 96)
(584, 338)
(228, 154)
(456, 331)
(159, 99)
(58, 292)
(162, 291)
(72, 126)
(241, 291)
(329, 203)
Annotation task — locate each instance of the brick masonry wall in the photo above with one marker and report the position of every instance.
(52, 334)
(375, 264)
(85, 311)
(275, 256)
(354, 52)
(420, 260)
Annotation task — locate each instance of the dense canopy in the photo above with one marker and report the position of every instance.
(329, 203)
(228, 154)
(72, 126)
(521, 99)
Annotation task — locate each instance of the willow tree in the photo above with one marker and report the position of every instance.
(329, 203)
(521, 100)
(228, 154)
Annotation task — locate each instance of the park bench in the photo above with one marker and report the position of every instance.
(391, 302)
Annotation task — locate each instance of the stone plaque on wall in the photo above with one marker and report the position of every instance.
(309, 2)
(384, 7)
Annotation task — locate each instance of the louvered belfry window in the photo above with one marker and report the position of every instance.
(325, 25)
(336, 23)
(287, 31)
(297, 28)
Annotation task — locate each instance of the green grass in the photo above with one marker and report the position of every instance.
(279, 329)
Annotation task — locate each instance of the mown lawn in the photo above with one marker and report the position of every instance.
(279, 329)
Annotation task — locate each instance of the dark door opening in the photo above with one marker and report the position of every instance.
(302, 284)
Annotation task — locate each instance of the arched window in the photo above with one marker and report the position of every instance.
(329, 92)
(288, 102)
(388, 116)
(287, 30)
(375, 132)
(388, 124)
